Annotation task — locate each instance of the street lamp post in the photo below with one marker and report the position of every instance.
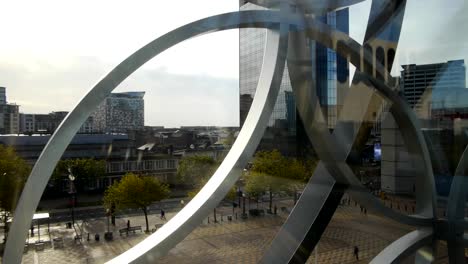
(108, 213)
(239, 194)
(244, 215)
(72, 192)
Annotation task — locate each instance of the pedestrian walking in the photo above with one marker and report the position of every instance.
(356, 252)
(163, 215)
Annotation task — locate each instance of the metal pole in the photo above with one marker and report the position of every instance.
(73, 210)
(243, 208)
(316, 253)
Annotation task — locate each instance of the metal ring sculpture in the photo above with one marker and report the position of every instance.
(286, 36)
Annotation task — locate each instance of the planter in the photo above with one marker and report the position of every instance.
(108, 236)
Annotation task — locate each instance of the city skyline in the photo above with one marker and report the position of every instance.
(42, 62)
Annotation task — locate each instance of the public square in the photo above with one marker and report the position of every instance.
(236, 241)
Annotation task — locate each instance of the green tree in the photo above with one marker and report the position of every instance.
(273, 173)
(85, 170)
(13, 175)
(231, 195)
(270, 167)
(194, 170)
(133, 191)
(255, 185)
(297, 174)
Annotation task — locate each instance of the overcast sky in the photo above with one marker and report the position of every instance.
(53, 52)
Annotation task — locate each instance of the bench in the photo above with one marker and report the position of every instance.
(123, 230)
(132, 228)
(135, 228)
(39, 246)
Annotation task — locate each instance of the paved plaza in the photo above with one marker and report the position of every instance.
(236, 241)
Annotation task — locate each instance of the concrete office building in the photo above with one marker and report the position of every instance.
(120, 112)
(9, 119)
(3, 96)
(330, 73)
(419, 80)
(434, 91)
(118, 151)
(9, 115)
(48, 123)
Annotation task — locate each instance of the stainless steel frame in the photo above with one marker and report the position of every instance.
(332, 178)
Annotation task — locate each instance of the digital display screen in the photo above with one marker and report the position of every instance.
(377, 152)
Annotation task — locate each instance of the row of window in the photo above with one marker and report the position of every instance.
(146, 165)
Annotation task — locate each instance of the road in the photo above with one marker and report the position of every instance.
(83, 213)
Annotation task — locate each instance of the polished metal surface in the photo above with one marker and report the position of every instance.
(288, 33)
(226, 175)
(404, 247)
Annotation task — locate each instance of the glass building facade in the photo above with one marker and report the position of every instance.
(381, 177)
(330, 73)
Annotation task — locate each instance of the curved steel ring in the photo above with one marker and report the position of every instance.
(226, 175)
(228, 172)
(333, 153)
(295, 230)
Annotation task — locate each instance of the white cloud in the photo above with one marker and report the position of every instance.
(52, 52)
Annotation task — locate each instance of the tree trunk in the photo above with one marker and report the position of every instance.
(271, 200)
(214, 213)
(7, 228)
(146, 218)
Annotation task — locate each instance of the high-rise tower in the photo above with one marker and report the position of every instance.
(330, 73)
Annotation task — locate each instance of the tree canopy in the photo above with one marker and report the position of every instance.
(273, 173)
(14, 172)
(84, 170)
(137, 192)
(194, 170)
(81, 168)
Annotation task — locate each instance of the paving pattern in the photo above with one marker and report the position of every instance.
(237, 241)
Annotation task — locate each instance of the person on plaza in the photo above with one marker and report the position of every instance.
(356, 252)
(128, 224)
(163, 215)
